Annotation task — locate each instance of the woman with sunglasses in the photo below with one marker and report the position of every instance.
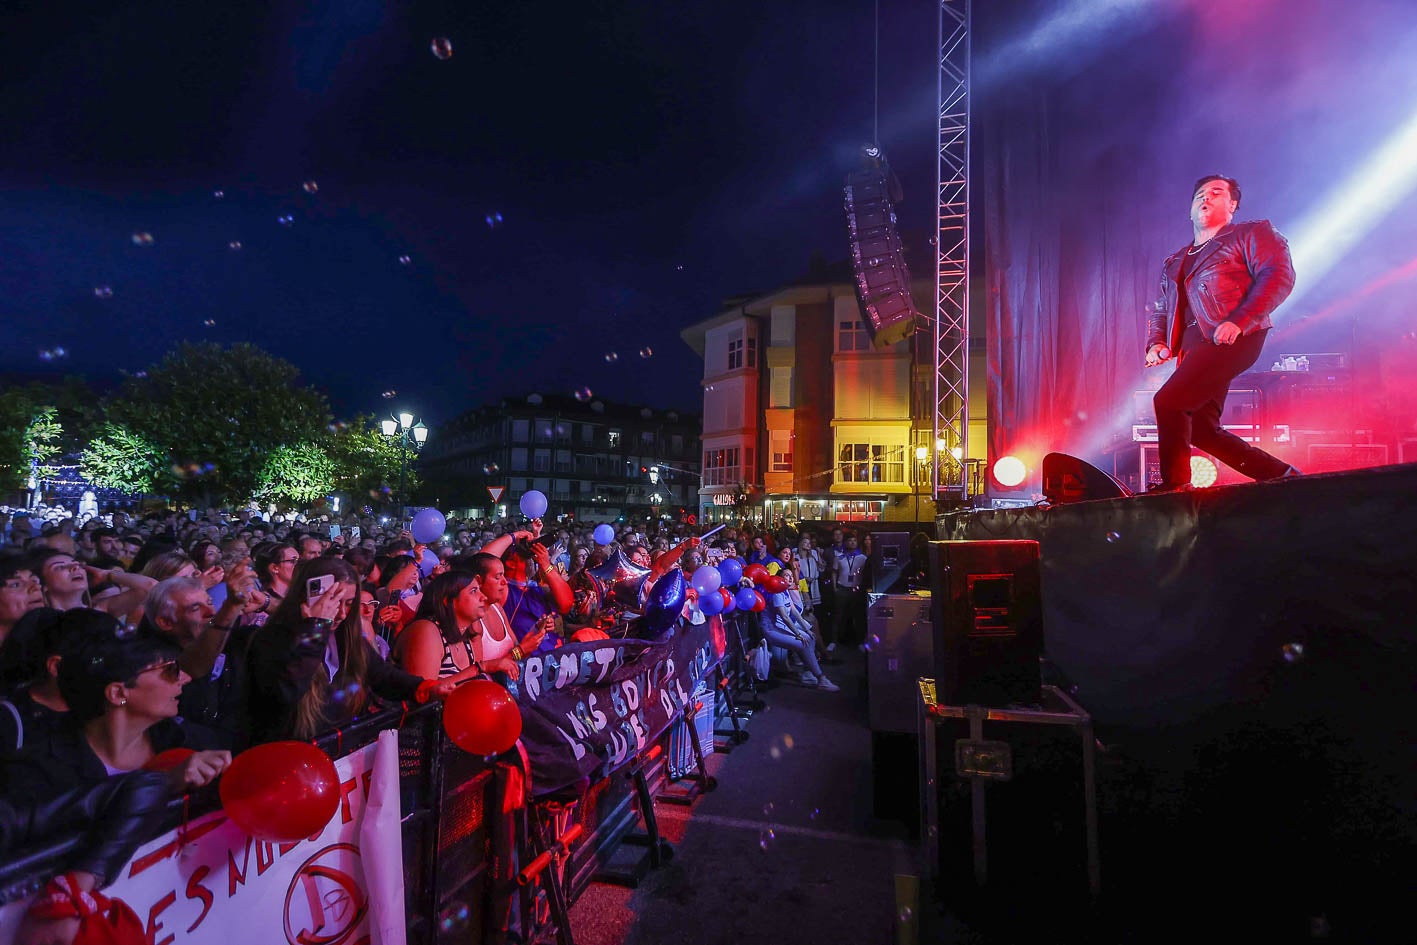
(121, 688)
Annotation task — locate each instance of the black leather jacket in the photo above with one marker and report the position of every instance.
(117, 815)
(1241, 276)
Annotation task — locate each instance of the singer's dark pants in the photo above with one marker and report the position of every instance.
(1189, 404)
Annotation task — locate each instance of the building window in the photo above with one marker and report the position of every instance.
(735, 354)
(721, 467)
(782, 451)
(870, 462)
(614, 436)
(563, 433)
(752, 352)
(851, 336)
(587, 433)
(543, 431)
(676, 444)
(519, 459)
(541, 461)
(521, 431)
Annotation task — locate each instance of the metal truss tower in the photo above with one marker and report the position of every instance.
(951, 321)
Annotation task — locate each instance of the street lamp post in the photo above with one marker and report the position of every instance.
(410, 435)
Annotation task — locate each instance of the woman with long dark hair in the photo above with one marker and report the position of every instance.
(311, 669)
(438, 643)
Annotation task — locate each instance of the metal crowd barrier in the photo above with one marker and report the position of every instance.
(461, 845)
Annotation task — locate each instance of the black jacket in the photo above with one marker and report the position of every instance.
(120, 813)
(282, 662)
(1242, 275)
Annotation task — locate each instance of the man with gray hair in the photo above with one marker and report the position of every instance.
(181, 608)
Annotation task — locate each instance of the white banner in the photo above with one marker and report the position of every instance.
(222, 886)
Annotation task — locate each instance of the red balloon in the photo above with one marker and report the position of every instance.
(726, 594)
(167, 760)
(756, 573)
(281, 791)
(482, 718)
(761, 603)
(775, 584)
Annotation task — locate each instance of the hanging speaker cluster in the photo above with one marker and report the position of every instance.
(882, 280)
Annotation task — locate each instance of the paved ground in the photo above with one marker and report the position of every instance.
(785, 850)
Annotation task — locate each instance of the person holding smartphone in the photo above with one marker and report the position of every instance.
(310, 667)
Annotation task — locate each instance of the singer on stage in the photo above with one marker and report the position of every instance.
(1212, 315)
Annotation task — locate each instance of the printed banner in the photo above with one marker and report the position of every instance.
(588, 708)
(224, 888)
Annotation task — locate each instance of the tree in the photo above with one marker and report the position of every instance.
(222, 412)
(366, 461)
(117, 458)
(29, 438)
(296, 475)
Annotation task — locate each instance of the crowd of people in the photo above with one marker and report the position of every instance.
(169, 642)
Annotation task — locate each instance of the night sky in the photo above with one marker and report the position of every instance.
(647, 160)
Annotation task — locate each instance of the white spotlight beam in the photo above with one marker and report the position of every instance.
(1351, 210)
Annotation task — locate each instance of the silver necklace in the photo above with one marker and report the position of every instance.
(1196, 249)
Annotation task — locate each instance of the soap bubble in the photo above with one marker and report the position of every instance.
(209, 322)
(310, 187)
(768, 808)
(1293, 652)
(905, 915)
(814, 813)
(442, 47)
(103, 292)
(611, 357)
(767, 838)
(405, 260)
(493, 219)
(234, 246)
(679, 268)
(286, 219)
(646, 352)
(1113, 538)
(142, 238)
(389, 394)
(583, 394)
(219, 194)
(491, 469)
(454, 919)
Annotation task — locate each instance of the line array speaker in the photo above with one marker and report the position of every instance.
(882, 279)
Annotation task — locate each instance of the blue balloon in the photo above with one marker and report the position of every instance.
(746, 598)
(731, 570)
(706, 579)
(729, 605)
(603, 534)
(711, 604)
(427, 563)
(533, 503)
(428, 526)
(666, 601)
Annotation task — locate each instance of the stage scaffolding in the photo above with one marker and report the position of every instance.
(950, 326)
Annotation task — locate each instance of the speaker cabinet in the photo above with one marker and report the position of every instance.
(988, 622)
(878, 261)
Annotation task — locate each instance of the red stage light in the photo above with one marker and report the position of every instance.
(1203, 472)
(1009, 471)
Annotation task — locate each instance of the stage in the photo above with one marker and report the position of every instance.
(1248, 654)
